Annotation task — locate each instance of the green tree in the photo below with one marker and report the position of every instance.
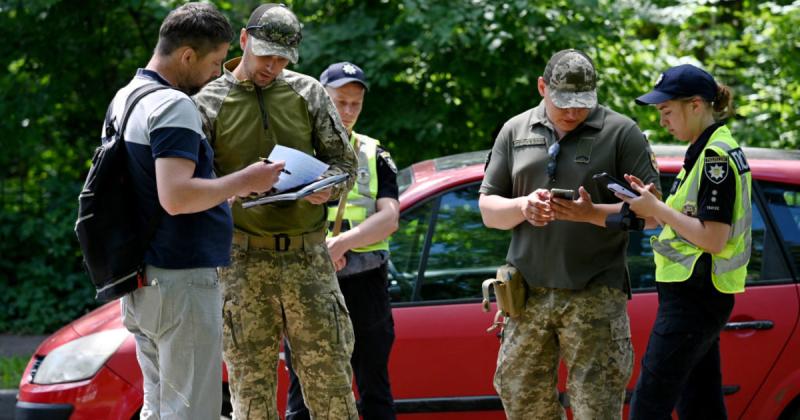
(64, 62)
(444, 77)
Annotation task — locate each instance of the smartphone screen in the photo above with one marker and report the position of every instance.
(615, 185)
(565, 194)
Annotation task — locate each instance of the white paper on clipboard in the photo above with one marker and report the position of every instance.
(301, 168)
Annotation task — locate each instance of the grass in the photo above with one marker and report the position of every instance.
(11, 370)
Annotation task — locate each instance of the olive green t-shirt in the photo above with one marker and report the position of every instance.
(563, 254)
(297, 113)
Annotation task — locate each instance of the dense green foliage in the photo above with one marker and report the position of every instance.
(445, 76)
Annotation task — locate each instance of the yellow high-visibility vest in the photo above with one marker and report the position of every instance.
(675, 257)
(361, 200)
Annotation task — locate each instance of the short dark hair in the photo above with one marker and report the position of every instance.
(199, 26)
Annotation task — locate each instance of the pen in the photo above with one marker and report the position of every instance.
(267, 161)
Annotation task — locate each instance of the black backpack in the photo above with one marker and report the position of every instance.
(113, 248)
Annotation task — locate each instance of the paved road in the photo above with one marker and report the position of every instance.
(8, 399)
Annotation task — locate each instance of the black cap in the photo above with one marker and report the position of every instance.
(340, 74)
(682, 81)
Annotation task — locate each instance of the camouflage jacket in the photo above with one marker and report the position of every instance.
(297, 113)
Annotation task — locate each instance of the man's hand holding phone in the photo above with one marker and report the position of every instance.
(535, 208)
(566, 206)
(565, 194)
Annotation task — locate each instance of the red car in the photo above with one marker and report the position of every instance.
(444, 359)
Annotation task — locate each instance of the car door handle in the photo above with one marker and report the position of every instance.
(749, 325)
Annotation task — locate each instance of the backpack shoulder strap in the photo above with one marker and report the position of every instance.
(134, 99)
(108, 123)
(130, 103)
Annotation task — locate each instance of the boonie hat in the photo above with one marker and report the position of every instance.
(571, 80)
(340, 74)
(682, 81)
(274, 30)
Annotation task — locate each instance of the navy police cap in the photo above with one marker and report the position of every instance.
(340, 74)
(682, 81)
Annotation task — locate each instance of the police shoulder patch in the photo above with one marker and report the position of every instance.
(737, 155)
(653, 161)
(716, 168)
(388, 159)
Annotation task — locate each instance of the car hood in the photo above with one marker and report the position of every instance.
(103, 318)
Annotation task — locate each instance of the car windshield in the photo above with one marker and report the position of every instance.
(404, 179)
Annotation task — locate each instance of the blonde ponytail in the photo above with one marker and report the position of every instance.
(723, 103)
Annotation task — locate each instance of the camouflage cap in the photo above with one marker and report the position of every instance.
(274, 30)
(571, 80)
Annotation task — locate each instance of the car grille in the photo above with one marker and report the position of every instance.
(37, 361)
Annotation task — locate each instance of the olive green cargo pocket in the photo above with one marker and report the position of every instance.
(621, 352)
(343, 328)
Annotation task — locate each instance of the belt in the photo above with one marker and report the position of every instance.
(279, 242)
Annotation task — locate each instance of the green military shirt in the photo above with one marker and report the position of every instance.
(563, 254)
(300, 115)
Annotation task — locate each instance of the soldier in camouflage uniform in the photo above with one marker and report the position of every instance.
(282, 280)
(573, 266)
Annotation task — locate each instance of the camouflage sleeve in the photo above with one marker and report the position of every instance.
(330, 139)
(208, 102)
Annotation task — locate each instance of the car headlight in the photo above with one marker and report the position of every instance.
(79, 359)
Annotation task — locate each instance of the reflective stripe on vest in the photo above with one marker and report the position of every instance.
(675, 256)
(361, 200)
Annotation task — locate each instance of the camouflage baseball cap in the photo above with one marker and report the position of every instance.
(274, 30)
(571, 80)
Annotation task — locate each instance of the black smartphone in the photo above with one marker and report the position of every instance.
(615, 185)
(565, 194)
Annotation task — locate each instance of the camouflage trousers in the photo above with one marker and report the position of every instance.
(587, 329)
(267, 294)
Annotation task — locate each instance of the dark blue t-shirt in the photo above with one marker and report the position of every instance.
(166, 124)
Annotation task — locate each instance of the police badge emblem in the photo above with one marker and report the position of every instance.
(716, 168)
(349, 69)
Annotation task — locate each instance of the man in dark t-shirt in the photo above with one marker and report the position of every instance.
(574, 267)
(176, 317)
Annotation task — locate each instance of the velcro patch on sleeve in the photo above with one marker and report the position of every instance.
(388, 159)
